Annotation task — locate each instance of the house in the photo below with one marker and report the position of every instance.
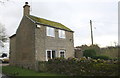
(38, 39)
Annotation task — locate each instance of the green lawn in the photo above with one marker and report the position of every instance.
(16, 71)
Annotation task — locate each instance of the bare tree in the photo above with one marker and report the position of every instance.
(3, 1)
(3, 35)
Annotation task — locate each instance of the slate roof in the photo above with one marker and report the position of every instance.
(48, 22)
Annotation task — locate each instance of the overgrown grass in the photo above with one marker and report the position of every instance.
(17, 71)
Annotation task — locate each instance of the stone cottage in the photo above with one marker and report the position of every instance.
(38, 39)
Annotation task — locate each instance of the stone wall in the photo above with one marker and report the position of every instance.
(78, 53)
(44, 42)
(25, 44)
(32, 42)
(12, 50)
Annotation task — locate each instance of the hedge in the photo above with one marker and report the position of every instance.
(101, 57)
(89, 53)
(83, 67)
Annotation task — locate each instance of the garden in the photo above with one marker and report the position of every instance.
(89, 65)
(69, 67)
(19, 72)
(80, 67)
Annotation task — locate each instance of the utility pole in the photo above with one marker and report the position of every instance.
(91, 31)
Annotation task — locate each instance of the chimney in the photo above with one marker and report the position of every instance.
(26, 9)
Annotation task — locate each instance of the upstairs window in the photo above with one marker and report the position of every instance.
(50, 32)
(61, 34)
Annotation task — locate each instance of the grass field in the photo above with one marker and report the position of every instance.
(16, 71)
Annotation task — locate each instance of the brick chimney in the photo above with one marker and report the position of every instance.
(26, 9)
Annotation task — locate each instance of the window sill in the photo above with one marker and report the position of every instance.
(51, 36)
(61, 38)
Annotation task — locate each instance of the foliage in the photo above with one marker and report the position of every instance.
(3, 36)
(89, 53)
(2, 2)
(17, 71)
(95, 47)
(82, 67)
(101, 57)
(110, 52)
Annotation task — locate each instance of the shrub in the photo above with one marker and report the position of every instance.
(101, 57)
(82, 67)
(89, 53)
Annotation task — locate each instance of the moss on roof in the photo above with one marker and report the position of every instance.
(48, 22)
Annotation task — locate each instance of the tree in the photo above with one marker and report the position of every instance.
(95, 47)
(3, 36)
(3, 1)
(89, 53)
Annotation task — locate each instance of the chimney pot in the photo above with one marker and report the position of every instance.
(26, 8)
(26, 3)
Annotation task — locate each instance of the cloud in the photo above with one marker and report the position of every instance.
(69, 0)
(75, 14)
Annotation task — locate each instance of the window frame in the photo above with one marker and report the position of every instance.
(60, 52)
(51, 56)
(50, 30)
(61, 35)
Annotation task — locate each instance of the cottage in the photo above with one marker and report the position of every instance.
(38, 39)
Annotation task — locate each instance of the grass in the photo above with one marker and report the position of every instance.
(17, 71)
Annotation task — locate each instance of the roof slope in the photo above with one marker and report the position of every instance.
(48, 22)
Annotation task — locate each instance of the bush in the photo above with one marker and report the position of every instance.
(89, 53)
(82, 67)
(101, 57)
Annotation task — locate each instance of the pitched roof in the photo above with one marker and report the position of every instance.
(48, 22)
(12, 35)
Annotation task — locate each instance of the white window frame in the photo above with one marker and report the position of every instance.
(50, 54)
(62, 34)
(62, 51)
(50, 31)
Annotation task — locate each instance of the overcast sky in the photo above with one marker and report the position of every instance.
(74, 14)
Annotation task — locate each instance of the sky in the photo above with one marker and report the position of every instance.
(75, 14)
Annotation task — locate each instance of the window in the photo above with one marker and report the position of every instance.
(50, 32)
(50, 54)
(62, 53)
(53, 54)
(61, 34)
